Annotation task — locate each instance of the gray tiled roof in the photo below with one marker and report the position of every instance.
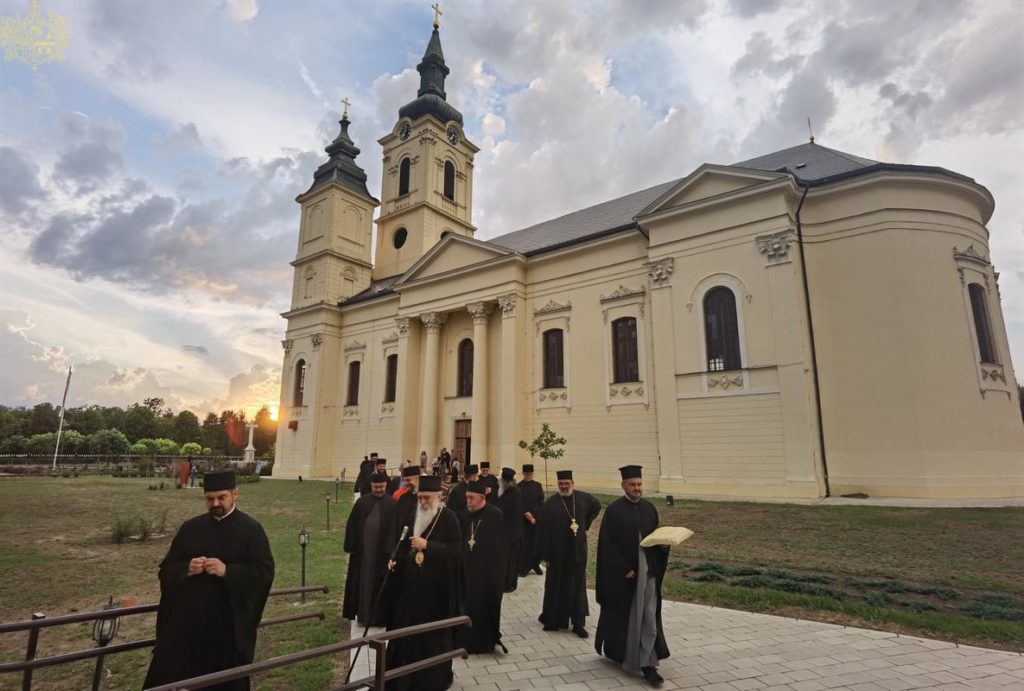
(808, 162)
(378, 288)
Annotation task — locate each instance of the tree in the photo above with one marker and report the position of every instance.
(212, 435)
(108, 442)
(186, 428)
(45, 418)
(191, 449)
(155, 404)
(87, 419)
(265, 433)
(72, 441)
(547, 445)
(236, 436)
(13, 444)
(13, 421)
(140, 422)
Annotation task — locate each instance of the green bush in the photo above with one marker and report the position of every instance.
(121, 529)
(191, 449)
(995, 607)
(14, 444)
(709, 566)
(110, 442)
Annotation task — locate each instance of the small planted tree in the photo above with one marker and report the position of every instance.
(547, 445)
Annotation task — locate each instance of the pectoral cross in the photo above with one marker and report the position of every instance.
(574, 527)
(346, 103)
(437, 14)
(471, 543)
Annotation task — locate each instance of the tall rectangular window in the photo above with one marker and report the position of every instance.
(721, 332)
(982, 325)
(625, 364)
(299, 390)
(353, 383)
(554, 364)
(391, 379)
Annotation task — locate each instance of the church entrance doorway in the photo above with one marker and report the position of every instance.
(463, 437)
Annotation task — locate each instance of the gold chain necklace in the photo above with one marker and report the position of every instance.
(574, 526)
(420, 557)
(472, 533)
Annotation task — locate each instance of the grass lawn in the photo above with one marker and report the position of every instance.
(952, 574)
(56, 557)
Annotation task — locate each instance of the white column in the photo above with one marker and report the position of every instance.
(432, 322)
(511, 403)
(480, 312)
(664, 380)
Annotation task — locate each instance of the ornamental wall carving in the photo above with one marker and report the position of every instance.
(623, 292)
(403, 326)
(553, 306)
(507, 304)
(725, 381)
(775, 247)
(480, 311)
(433, 321)
(660, 272)
(355, 345)
(287, 344)
(317, 339)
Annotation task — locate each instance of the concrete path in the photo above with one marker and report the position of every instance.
(726, 650)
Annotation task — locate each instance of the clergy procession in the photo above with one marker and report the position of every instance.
(432, 549)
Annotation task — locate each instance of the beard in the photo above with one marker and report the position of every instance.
(424, 515)
(218, 511)
(565, 493)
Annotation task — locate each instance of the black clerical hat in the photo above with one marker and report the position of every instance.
(528, 468)
(508, 473)
(472, 470)
(218, 480)
(430, 483)
(485, 464)
(630, 471)
(374, 453)
(477, 487)
(379, 477)
(563, 474)
(410, 470)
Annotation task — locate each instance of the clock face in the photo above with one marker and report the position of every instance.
(453, 135)
(405, 131)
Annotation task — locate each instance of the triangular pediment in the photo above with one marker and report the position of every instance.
(453, 253)
(708, 182)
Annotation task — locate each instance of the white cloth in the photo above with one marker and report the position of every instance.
(643, 626)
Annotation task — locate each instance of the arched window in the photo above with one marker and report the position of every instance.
(721, 333)
(299, 388)
(391, 379)
(625, 364)
(982, 325)
(554, 363)
(403, 176)
(353, 383)
(464, 384)
(449, 180)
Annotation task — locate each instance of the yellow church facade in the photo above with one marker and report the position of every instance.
(804, 324)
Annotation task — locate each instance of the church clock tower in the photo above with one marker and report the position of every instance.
(427, 181)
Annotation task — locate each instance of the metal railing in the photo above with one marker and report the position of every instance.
(40, 621)
(378, 642)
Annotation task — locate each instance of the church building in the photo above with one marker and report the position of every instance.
(803, 324)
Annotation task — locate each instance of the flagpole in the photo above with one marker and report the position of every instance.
(60, 425)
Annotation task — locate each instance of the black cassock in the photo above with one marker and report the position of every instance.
(457, 499)
(511, 504)
(406, 511)
(426, 592)
(369, 536)
(618, 552)
(483, 565)
(363, 478)
(533, 499)
(208, 623)
(565, 583)
(492, 482)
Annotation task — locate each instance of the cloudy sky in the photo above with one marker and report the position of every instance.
(147, 182)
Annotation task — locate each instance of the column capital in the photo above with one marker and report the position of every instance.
(433, 321)
(480, 311)
(507, 303)
(402, 323)
(660, 272)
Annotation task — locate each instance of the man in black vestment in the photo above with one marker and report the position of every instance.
(370, 533)
(564, 521)
(428, 588)
(533, 499)
(457, 496)
(405, 496)
(629, 579)
(214, 583)
(484, 558)
(510, 501)
(489, 482)
(366, 468)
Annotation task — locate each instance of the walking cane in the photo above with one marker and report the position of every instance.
(376, 601)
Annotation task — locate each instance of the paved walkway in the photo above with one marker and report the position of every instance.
(727, 650)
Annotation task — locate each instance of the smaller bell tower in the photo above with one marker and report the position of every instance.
(427, 181)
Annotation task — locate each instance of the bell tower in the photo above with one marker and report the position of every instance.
(427, 180)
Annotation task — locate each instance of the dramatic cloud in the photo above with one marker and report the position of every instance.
(19, 181)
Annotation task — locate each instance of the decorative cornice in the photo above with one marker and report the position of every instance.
(507, 304)
(317, 339)
(433, 321)
(402, 323)
(355, 345)
(553, 306)
(287, 344)
(392, 338)
(993, 374)
(970, 254)
(623, 292)
(775, 247)
(480, 311)
(660, 272)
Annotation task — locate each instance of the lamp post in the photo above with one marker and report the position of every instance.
(303, 541)
(328, 498)
(337, 488)
(103, 631)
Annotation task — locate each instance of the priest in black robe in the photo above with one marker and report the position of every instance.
(457, 495)
(562, 529)
(370, 534)
(428, 587)
(405, 496)
(533, 499)
(510, 501)
(489, 481)
(484, 561)
(629, 578)
(214, 584)
(366, 468)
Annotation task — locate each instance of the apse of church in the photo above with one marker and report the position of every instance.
(805, 323)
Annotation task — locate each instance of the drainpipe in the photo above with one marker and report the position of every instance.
(814, 350)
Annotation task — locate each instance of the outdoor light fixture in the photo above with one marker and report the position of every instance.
(303, 541)
(103, 631)
(670, 500)
(328, 498)
(337, 488)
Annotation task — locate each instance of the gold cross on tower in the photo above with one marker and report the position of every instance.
(437, 14)
(346, 103)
